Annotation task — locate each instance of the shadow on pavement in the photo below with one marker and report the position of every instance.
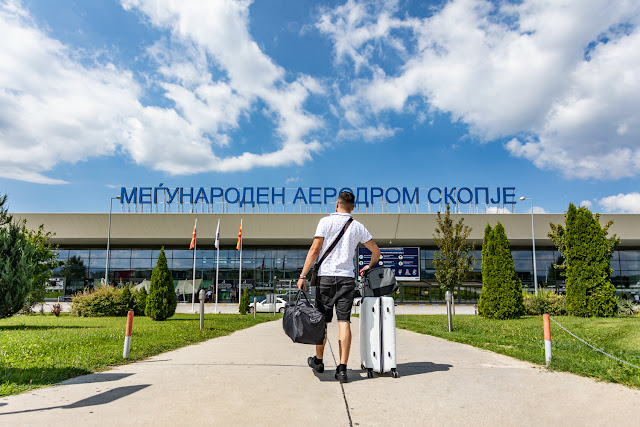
(417, 368)
(99, 399)
(404, 370)
(97, 378)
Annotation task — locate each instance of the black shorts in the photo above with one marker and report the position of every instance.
(338, 291)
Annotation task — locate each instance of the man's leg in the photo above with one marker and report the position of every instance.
(344, 341)
(320, 348)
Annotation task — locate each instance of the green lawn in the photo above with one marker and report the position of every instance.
(524, 340)
(37, 350)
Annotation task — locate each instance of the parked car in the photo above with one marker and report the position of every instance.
(265, 307)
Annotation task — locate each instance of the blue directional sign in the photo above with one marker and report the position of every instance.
(405, 262)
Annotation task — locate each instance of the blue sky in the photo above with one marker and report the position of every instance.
(537, 95)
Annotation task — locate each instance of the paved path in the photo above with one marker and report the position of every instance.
(258, 377)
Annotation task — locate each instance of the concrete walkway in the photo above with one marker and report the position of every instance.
(258, 377)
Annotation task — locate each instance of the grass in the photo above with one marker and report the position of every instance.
(523, 339)
(37, 351)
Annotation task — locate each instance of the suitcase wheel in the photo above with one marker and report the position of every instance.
(394, 372)
(369, 373)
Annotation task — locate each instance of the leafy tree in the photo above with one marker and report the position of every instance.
(45, 259)
(243, 308)
(162, 300)
(455, 259)
(588, 254)
(501, 296)
(16, 268)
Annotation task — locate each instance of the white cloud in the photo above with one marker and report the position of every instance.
(621, 203)
(54, 109)
(292, 179)
(586, 203)
(497, 210)
(216, 34)
(368, 133)
(515, 70)
(538, 210)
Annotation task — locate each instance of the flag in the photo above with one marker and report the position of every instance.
(239, 244)
(218, 236)
(263, 263)
(193, 237)
(283, 258)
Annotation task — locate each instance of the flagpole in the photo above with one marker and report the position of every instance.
(217, 262)
(193, 284)
(240, 275)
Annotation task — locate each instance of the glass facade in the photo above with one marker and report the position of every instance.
(85, 267)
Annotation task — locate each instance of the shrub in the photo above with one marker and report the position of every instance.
(625, 307)
(140, 301)
(544, 303)
(243, 308)
(126, 298)
(162, 301)
(99, 302)
(56, 309)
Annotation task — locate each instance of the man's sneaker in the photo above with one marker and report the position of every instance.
(342, 377)
(318, 367)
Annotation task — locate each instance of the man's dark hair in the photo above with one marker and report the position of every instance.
(347, 199)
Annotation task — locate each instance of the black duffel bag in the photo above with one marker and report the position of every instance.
(302, 322)
(379, 282)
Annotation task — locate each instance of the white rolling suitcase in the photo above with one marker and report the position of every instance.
(378, 335)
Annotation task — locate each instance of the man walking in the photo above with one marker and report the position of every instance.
(336, 276)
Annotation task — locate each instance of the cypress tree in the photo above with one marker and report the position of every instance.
(161, 301)
(587, 256)
(243, 308)
(501, 296)
(488, 296)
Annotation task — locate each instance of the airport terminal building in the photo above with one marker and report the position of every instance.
(278, 226)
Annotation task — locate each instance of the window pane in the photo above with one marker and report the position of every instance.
(118, 264)
(182, 253)
(80, 253)
(520, 254)
(141, 253)
(99, 253)
(141, 263)
(630, 265)
(629, 255)
(99, 262)
(120, 253)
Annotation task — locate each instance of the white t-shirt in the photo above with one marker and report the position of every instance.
(340, 260)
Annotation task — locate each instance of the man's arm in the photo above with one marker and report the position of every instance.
(312, 256)
(375, 255)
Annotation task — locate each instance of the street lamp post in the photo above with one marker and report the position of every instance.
(106, 268)
(533, 239)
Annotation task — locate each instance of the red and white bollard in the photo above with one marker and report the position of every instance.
(547, 338)
(127, 335)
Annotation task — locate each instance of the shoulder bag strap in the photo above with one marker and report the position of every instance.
(334, 243)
